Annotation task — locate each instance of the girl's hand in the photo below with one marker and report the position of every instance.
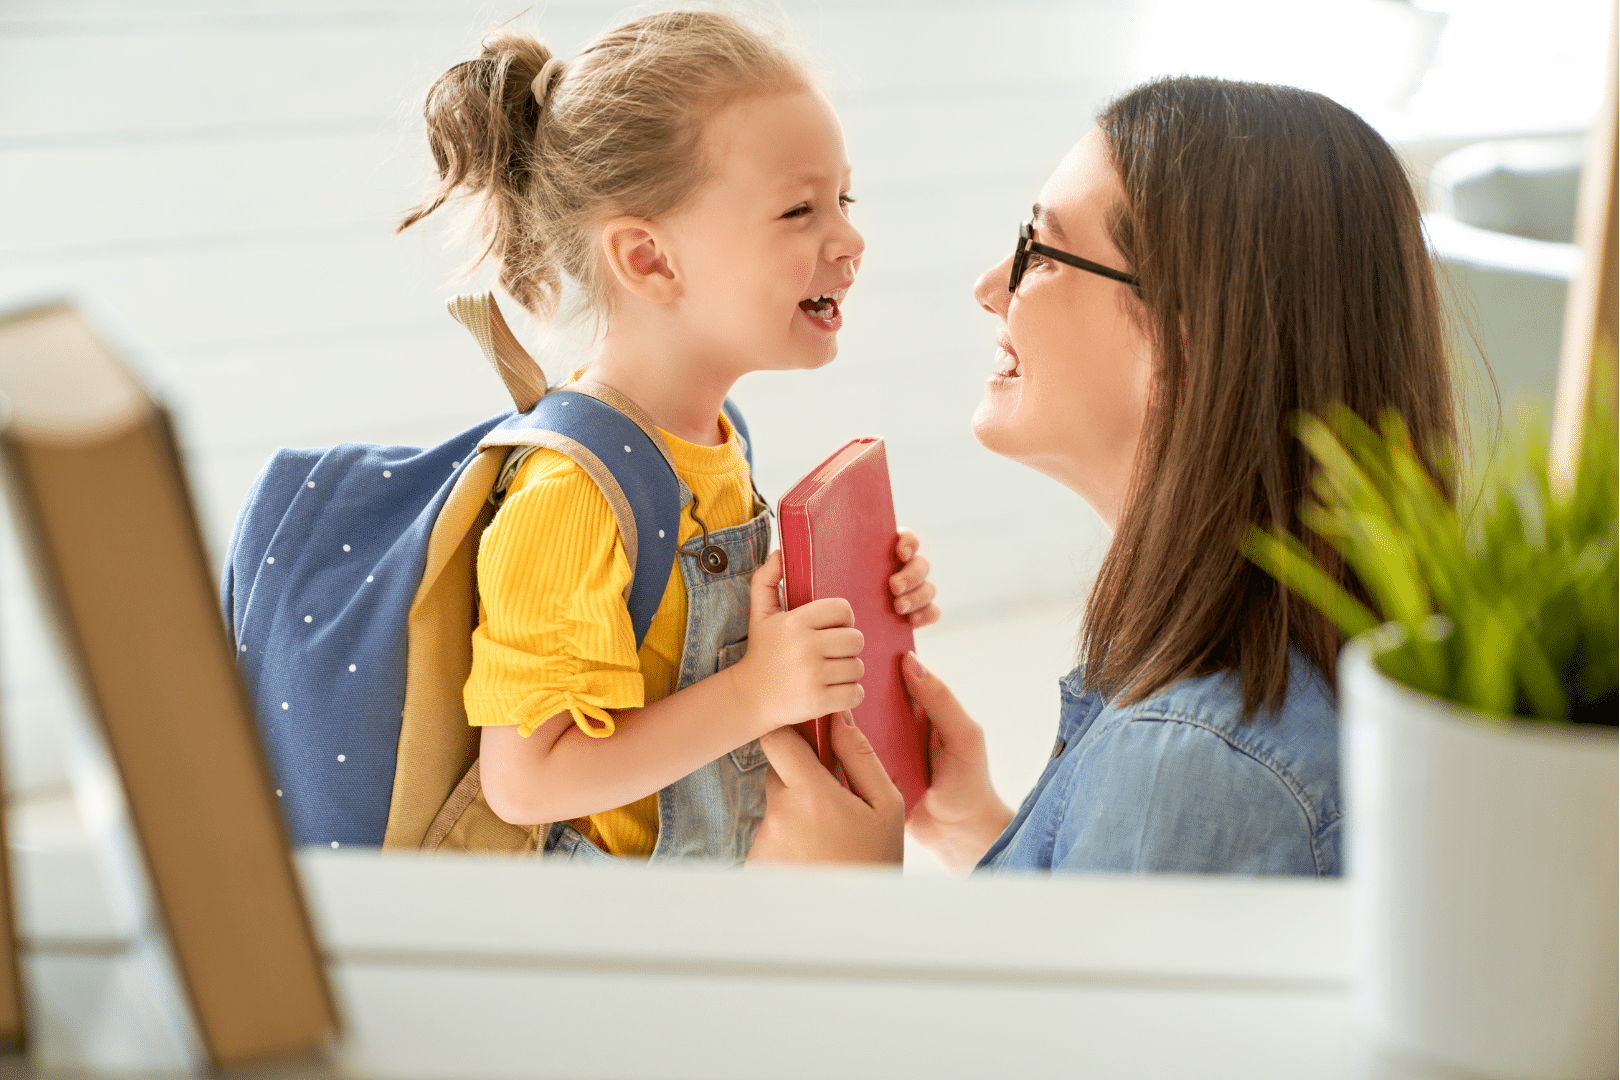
(960, 815)
(811, 818)
(913, 592)
(800, 664)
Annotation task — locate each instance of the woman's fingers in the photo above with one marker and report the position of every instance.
(864, 772)
(793, 760)
(935, 698)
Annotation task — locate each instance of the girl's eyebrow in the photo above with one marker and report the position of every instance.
(1044, 219)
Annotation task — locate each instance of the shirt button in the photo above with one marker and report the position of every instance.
(1058, 749)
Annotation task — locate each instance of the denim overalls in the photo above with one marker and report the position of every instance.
(712, 813)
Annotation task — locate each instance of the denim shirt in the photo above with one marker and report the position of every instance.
(1178, 782)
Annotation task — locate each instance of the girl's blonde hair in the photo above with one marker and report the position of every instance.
(551, 148)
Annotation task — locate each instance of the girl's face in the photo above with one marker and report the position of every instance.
(1074, 366)
(768, 236)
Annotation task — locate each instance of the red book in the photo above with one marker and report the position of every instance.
(838, 536)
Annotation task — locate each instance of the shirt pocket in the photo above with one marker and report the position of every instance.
(752, 755)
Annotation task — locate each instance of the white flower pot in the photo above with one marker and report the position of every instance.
(1481, 857)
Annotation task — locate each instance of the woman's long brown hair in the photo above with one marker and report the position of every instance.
(1283, 268)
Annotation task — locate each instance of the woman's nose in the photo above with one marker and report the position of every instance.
(991, 288)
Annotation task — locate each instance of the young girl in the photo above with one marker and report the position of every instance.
(685, 174)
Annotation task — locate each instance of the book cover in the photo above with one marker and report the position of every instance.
(838, 535)
(103, 509)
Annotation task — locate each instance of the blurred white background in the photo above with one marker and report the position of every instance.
(218, 182)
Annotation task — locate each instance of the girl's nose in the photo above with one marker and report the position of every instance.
(847, 242)
(991, 288)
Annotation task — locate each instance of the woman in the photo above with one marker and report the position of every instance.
(1212, 258)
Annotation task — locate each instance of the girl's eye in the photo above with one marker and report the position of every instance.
(846, 199)
(798, 211)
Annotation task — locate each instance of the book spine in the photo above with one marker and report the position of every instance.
(798, 573)
(798, 589)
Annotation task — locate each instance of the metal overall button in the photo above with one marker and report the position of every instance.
(712, 557)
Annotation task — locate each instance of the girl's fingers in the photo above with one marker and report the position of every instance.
(840, 642)
(838, 672)
(845, 696)
(905, 545)
(827, 613)
(909, 576)
(764, 600)
(916, 599)
(928, 616)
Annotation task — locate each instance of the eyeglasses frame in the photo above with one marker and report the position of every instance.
(1027, 244)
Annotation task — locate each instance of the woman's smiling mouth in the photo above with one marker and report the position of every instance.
(1008, 365)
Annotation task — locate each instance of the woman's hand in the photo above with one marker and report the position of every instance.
(811, 818)
(960, 815)
(913, 592)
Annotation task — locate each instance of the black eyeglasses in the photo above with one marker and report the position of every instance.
(1027, 244)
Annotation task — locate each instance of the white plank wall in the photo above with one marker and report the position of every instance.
(218, 182)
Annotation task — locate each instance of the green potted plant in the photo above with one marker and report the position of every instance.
(1478, 695)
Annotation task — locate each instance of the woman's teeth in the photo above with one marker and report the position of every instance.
(823, 307)
(1007, 364)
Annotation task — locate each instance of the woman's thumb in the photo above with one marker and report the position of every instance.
(931, 694)
(865, 773)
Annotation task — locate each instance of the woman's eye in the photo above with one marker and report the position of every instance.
(1037, 259)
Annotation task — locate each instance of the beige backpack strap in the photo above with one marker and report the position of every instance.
(450, 813)
(520, 372)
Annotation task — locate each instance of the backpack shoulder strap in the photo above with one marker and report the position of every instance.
(740, 425)
(609, 437)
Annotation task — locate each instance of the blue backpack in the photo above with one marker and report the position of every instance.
(349, 591)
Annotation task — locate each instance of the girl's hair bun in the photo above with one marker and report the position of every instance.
(621, 135)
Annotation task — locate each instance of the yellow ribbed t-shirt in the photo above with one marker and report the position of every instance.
(554, 634)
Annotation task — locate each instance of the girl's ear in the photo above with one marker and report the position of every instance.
(635, 254)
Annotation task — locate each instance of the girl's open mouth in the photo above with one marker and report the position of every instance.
(823, 309)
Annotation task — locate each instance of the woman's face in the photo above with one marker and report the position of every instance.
(1074, 364)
